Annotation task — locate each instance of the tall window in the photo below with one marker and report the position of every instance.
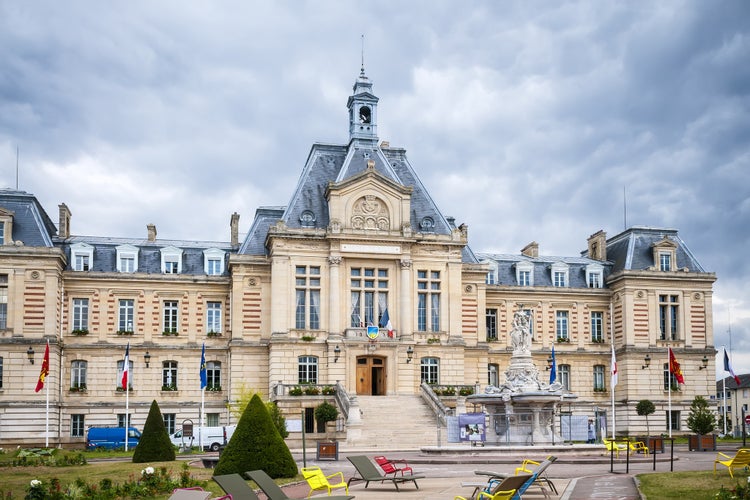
(599, 378)
(169, 376)
(665, 261)
(668, 314)
(213, 317)
(78, 374)
(561, 325)
(125, 316)
(170, 316)
(120, 364)
(491, 324)
(597, 332)
(307, 291)
(77, 425)
(213, 375)
(212, 419)
(80, 315)
(428, 301)
(669, 379)
(493, 377)
(369, 289)
(3, 301)
(170, 420)
(563, 376)
(121, 420)
(430, 370)
(307, 370)
(674, 421)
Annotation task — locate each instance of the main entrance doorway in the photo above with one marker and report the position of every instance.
(370, 375)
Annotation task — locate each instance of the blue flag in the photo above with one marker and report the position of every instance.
(553, 368)
(204, 375)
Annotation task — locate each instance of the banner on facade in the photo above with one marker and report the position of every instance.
(471, 427)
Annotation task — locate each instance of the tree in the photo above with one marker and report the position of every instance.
(256, 444)
(154, 445)
(644, 408)
(701, 419)
(325, 412)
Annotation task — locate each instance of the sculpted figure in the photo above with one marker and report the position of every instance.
(520, 335)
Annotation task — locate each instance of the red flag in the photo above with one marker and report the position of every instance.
(674, 368)
(125, 369)
(45, 370)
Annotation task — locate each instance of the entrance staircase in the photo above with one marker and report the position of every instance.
(396, 422)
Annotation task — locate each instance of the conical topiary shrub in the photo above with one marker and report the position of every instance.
(256, 444)
(154, 445)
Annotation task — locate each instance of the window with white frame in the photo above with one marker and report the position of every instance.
(213, 376)
(169, 376)
(561, 326)
(665, 261)
(493, 374)
(525, 273)
(127, 258)
(673, 419)
(428, 301)
(597, 326)
(80, 315)
(171, 316)
(430, 370)
(121, 420)
(78, 370)
(213, 317)
(369, 295)
(307, 370)
(491, 278)
(77, 425)
(170, 420)
(120, 365)
(491, 323)
(307, 297)
(670, 380)
(559, 274)
(171, 260)
(212, 419)
(594, 276)
(125, 315)
(82, 256)
(213, 261)
(599, 378)
(563, 376)
(6, 227)
(669, 306)
(3, 301)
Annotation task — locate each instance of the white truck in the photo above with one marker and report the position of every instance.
(212, 437)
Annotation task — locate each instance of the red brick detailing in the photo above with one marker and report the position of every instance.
(469, 315)
(640, 320)
(33, 306)
(251, 310)
(698, 321)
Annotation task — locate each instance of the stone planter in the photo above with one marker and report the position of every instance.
(702, 442)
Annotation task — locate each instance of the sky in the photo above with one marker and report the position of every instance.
(526, 120)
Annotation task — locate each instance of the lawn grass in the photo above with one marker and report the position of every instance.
(694, 485)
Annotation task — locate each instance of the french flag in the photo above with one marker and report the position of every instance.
(385, 322)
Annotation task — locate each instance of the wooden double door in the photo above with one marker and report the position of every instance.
(371, 377)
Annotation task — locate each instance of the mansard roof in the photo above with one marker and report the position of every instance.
(506, 268)
(31, 224)
(149, 253)
(632, 250)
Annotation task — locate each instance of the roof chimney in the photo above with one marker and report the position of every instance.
(598, 245)
(64, 224)
(531, 250)
(151, 232)
(234, 229)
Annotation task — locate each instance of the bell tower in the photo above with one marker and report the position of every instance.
(363, 111)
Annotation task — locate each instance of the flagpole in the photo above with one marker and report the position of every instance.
(46, 412)
(669, 392)
(126, 378)
(611, 368)
(203, 402)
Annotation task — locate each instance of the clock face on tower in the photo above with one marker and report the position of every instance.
(365, 115)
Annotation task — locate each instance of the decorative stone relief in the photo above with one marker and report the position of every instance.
(335, 226)
(35, 275)
(370, 213)
(252, 281)
(405, 264)
(334, 261)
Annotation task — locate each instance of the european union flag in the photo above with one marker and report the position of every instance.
(553, 368)
(204, 375)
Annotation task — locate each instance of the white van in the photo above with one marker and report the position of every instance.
(213, 437)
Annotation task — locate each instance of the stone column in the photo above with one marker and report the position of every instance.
(334, 296)
(404, 325)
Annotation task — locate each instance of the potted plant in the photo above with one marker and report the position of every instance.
(295, 391)
(325, 412)
(702, 422)
(644, 408)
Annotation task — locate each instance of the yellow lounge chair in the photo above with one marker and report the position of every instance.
(740, 460)
(319, 481)
(498, 495)
(637, 447)
(613, 446)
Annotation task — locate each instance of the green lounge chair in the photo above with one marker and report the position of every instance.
(367, 472)
(272, 490)
(234, 485)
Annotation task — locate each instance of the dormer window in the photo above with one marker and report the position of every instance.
(6, 227)
(127, 259)
(559, 274)
(594, 276)
(81, 257)
(525, 274)
(213, 261)
(491, 278)
(665, 258)
(171, 260)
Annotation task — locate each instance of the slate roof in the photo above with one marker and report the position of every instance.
(732, 384)
(506, 268)
(632, 249)
(31, 224)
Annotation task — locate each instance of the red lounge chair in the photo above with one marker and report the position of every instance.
(393, 466)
